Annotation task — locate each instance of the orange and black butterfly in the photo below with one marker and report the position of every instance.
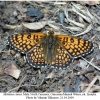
(57, 51)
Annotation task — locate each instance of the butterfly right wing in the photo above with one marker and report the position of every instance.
(24, 42)
(76, 47)
(61, 59)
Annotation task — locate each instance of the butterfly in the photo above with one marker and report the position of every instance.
(55, 50)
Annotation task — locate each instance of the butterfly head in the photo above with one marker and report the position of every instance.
(51, 32)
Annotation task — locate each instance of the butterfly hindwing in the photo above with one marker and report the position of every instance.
(36, 56)
(24, 42)
(61, 59)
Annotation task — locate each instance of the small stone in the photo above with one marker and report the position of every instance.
(2, 4)
(12, 20)
(61, 17)
(15, 13)
(82, 64)
(13, 52)
(33, 12)
(19, 17)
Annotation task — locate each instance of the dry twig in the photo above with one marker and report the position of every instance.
(92, 83)
(16, 88)
(86, 31)
(91, 64)
(72, 21)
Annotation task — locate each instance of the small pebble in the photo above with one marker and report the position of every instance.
(15, 13)
(61, 17)
(33, 12)
(2, 4)
(19, 17)
(12, 20)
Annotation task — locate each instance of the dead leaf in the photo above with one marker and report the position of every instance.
(12, 70)
(35, 25)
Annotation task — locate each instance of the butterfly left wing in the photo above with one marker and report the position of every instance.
(24, 42)
(36, 57)
(76, 47)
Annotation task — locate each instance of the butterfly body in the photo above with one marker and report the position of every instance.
(51, 44)
(53, 50)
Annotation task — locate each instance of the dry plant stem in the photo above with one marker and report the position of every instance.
(83, 16)
(22, 80)
(86, 85)
(33, 85)
(91, 64)
(89, 14)
(93, 37)
(16, 88)
(98, 44)
(94, 87)
(97, 29)
(3, 80)
(13, 26)
(72, 21)
(73, 28)
(50, 75)
(77, 6)
(97, 17)
(86, 31)
(75, 23)
(92, 83)
(3, 51)
(66, 12)
(33, 3)
(53, 26)
(85, 11)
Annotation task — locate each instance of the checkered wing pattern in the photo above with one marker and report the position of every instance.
(76, 47)
(57, 51)
(61, 59)
(36, 57)
(24, 42)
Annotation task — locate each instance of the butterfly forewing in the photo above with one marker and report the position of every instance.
(25, 42)
(76, 47)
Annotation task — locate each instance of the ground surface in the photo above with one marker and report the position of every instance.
(76, 78)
